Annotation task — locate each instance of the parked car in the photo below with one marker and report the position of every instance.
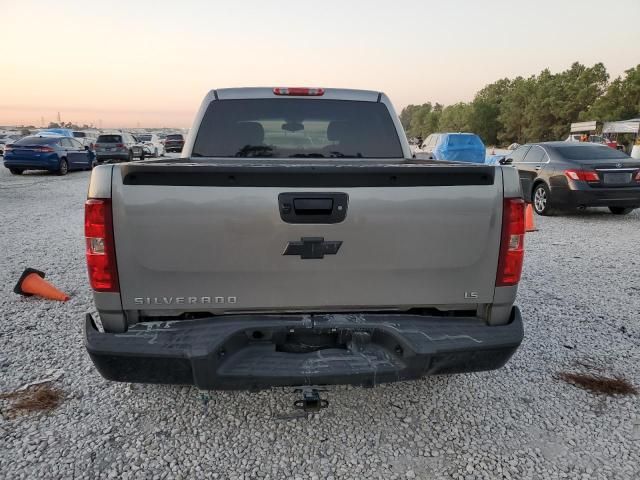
(457, 147)
(8, 140)
(56, 132)
(253, 271)
(558, 175)
(151, 143)
(174, 142)
(118, 146)
(86, 138)
(56, 154)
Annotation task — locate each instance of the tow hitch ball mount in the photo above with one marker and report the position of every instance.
(310, 401)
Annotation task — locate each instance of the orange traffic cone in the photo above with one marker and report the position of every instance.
(529, 223)
(32, 283)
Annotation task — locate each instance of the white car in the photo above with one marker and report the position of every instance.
(88, 139)
(8, 140)
(151, 144)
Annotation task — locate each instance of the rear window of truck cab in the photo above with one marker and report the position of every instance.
(297, 128)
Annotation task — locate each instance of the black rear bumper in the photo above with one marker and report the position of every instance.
(244, 352)
(596, 197)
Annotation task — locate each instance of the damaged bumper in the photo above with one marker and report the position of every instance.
(260, 351)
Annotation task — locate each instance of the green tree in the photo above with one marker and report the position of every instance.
(537, 108)
(484, 117)
(455, 118)
(406, 116)
(421, 120)
(558, 99)
(512, 110)
(621, 101)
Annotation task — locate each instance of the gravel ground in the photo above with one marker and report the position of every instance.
(580, 298)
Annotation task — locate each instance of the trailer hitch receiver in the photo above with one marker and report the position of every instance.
(310, 401)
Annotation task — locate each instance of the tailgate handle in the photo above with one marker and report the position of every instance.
(307, 207)
(313, 206)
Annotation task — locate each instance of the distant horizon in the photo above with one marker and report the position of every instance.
(135, 63)
(81, 127)
(60, 116)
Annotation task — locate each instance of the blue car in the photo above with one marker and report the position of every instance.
(455, 147)
(55, 154)
(60, 132)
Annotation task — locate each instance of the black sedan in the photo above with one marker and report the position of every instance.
(563, 175)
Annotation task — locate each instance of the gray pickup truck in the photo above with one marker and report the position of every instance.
(298, 242)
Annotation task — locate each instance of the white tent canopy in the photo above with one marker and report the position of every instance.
(624, 126)
(580, 127)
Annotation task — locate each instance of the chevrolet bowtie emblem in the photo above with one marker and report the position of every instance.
(312, 247)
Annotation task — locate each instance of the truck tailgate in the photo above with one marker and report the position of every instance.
(210, 236)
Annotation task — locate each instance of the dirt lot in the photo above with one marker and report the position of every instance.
(580, 298)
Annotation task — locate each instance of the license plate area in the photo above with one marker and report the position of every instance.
(617, 178)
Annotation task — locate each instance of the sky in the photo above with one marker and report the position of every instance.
(149, 63)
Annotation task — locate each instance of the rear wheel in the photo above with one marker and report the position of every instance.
(542, 199)
(130, 156)
(621, 210)
(16, 171)
(155, 153)
(63, 169)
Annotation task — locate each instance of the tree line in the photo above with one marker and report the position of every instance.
(537, 108)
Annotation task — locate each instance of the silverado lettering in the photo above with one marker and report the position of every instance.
(183, 300)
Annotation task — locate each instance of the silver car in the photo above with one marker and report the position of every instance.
(120, 146)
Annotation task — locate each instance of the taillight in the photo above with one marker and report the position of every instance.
(119, 145)
(512, 243)
(44, 149)
(584, 175)
(8, 148)
(299, 92)
(637, 177)
(101, 255)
